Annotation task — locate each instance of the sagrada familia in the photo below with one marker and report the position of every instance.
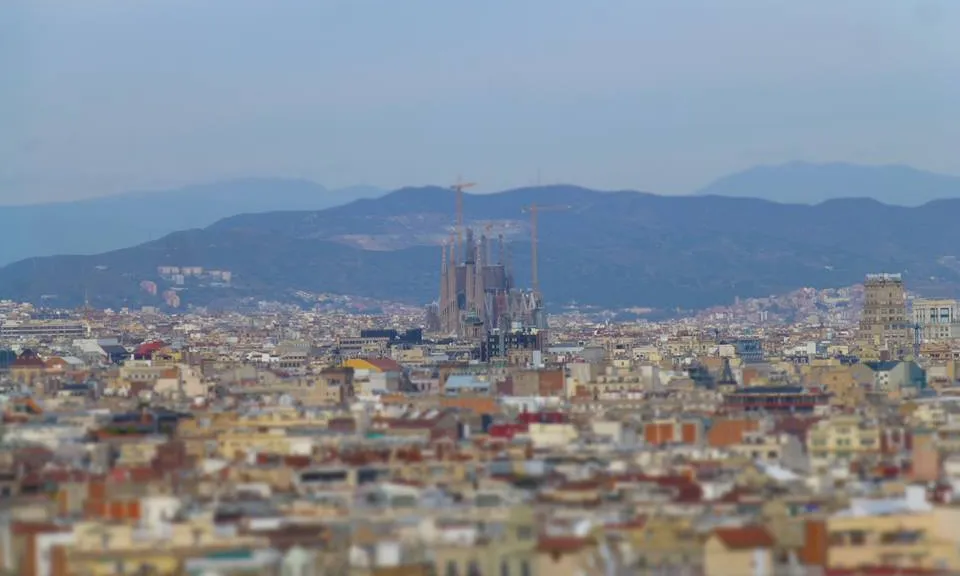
(478, 295)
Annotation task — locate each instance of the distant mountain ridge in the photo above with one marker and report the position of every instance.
(809, 183)
(110, 222)
(612, 249)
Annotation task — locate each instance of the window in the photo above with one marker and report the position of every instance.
(524, 568)
(452, 569)
(504, 568)
(473, 569)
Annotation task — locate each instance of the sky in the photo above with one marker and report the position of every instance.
(105, 96)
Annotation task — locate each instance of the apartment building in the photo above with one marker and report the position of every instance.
(842, 437)
(938, 319)
(903, 533)
(43, 329)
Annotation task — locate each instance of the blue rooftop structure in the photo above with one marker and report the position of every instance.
(899, 373)
(465, 384)
(882, 366)
(750, 350)
(6, 358)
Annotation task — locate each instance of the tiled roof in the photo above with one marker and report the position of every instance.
(562, 544)
(744, 537)
(385, 364)
(730, 431)
(28, 359)
(148, 348)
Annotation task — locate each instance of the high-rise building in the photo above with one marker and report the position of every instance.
(884, 322)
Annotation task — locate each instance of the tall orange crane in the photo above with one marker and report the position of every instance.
(533, 210)
(459, 188)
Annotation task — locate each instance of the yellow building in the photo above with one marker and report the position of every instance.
(100, 549)
(512, 552)
(375, 365)
(240, 442)
(666, 541)
(745, 551)
(845, 383)
(909, 540)
(842, 438)
(552, 435)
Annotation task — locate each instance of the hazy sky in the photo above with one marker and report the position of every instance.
(101, 96)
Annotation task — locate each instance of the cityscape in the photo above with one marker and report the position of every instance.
(538, 288)
(810, 433)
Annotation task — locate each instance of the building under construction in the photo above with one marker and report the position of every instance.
(478, 296)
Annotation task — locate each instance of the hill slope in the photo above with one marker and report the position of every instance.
(106, 223)
(806, 183)
(606, 248)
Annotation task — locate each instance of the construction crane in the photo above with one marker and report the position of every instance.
(459, 188)
(535, 209)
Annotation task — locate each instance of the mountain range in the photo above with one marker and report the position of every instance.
(96, 225)
(105, 223)
(808, 183)
(613, 249)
